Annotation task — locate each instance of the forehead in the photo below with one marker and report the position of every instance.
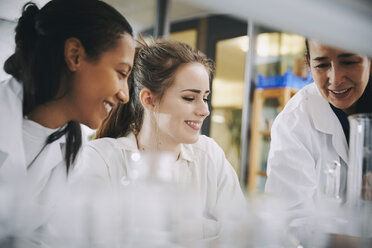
(122, 52)
(316, 47)
(320, 50)
(191, 76)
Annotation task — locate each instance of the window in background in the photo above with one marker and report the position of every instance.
(277, 53)
(228, 96)
(187, 36)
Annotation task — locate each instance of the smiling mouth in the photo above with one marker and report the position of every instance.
(108, 106)
(194, 125)
(340, 92)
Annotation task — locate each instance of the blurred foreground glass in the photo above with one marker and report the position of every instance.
(19, 215)
(349, 224)
(148, 207)
(359, 181)
(263, 224)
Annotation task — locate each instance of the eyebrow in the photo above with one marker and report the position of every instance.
(346, 55)
(195, 91)
(343, 55)
(126, 64)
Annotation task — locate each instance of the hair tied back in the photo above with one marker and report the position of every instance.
(26, 30)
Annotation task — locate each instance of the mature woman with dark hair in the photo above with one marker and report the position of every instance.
(312, 132)
(71, 64)
(168, 104)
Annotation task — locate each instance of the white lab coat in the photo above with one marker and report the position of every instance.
(36, 190)
(203, 164)
(305, 136)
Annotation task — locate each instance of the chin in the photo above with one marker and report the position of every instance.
(93, 124)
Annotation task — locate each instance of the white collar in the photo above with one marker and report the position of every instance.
(326, 121)
(129, 143)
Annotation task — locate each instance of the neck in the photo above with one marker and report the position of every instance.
(51, 115)
(151, 139)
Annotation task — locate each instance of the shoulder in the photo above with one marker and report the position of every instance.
(11, 88)
(104, 147)
(108, 147)
(11, 93)
(301, 107)
(206, 145)
(98, 155)
(102, 144)
(207, 152)
(302, 98)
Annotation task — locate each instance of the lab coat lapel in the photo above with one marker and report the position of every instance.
(326, 121)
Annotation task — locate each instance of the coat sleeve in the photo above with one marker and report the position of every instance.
(291, 164)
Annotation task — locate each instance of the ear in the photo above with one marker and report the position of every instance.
(74, 52)
(147, 99)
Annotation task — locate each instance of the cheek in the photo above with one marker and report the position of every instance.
(171, 116)
(90, 89)
(99, 78)
(366, 77)
(319, 78)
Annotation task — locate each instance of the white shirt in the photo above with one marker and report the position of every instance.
(203, 164)
(305, 136)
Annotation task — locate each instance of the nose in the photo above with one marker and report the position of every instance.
(203, 109)
(335, 75)
(123, 93)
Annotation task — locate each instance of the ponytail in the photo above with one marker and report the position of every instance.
(25, 40)
(73, 141)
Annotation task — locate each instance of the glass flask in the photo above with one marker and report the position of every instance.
(359, 179)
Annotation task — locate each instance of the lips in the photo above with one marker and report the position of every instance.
(339, 92)
(108, 106)
(196, 125)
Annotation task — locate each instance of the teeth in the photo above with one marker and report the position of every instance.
(339, 92)
(107, 106)
(192, 123)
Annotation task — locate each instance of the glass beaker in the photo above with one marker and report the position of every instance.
(359, 179)
(159, 208)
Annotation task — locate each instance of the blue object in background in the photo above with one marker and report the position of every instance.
(288, 79)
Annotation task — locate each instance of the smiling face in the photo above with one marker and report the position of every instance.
(340, 76)
(184, 106)
(99, 85)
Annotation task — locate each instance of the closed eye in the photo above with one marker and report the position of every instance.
(189, 99)
(321, 66)
(122, 74)
(206, 100)
(349, 62)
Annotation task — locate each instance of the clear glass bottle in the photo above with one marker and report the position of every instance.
(359, 180)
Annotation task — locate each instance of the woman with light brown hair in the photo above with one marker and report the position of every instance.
(169, 90)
